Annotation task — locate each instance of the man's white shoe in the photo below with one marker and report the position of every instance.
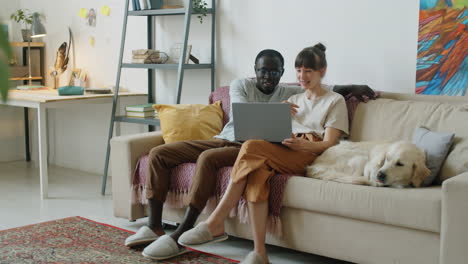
(143, 236)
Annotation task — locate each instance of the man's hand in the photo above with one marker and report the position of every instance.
(359, 91)
(293, 107)
(298, 144)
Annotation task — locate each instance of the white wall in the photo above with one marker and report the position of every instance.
(371, 42)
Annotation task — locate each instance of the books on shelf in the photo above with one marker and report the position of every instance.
(139, 108)
(142, 114)
(149, 56)
(146, 4)
(156, 4)
(143, 4)
(137, 4)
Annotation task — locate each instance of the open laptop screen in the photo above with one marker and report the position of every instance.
(267, 121)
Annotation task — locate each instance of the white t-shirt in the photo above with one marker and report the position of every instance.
(314, 115)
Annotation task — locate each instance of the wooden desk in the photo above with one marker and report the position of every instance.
(42, 100)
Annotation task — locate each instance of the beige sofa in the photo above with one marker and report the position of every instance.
(356, 223)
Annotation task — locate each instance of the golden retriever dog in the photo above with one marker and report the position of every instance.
(400, 164)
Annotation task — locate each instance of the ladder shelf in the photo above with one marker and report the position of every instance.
(187, 12)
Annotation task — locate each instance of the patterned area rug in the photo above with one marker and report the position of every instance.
(80, 240)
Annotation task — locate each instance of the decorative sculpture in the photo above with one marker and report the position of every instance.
(61, 61)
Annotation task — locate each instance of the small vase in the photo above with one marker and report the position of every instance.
(26, 33)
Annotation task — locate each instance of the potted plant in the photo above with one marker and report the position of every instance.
(23, 16)
(200, 7)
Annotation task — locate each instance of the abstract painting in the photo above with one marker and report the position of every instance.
(442, 66)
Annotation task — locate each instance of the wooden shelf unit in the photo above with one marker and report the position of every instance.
(25, 44)
(25, 78)
(180, 67)
(34, 46)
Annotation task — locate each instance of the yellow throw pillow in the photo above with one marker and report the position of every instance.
(190, 121)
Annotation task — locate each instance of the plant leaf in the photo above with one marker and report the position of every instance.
(4, 83)
(5, 56)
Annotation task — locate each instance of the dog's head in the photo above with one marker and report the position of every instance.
(401, 164)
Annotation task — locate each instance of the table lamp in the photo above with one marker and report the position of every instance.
(37, 31)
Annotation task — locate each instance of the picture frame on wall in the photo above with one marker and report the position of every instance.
(441, 60)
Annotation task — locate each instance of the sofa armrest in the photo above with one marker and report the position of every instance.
(454, 229)
(125, 152)
(137, 144)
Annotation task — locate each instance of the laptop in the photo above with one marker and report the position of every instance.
(267, 121)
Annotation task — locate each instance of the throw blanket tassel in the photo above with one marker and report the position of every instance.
(139, 194)
(243, 211)
(176, 199)
(274, 224)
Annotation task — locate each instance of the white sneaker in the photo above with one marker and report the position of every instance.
(143, 236)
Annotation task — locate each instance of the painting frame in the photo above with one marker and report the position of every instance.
(176, 52)
(442, 58)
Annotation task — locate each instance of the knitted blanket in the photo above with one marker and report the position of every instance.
(181, 179)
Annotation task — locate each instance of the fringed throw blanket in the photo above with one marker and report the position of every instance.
(181, 179)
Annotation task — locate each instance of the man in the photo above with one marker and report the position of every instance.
(210, 155)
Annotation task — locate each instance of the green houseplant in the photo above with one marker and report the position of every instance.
(24, 17)
(200, 6)
(5, 55)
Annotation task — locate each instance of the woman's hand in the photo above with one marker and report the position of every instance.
(331, 137)
(298, 144)
(293, 107)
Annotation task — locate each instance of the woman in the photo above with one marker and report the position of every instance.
(320, 118)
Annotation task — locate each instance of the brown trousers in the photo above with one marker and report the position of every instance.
(258, 160)
(210, 155)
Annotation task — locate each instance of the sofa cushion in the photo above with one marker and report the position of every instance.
(418, 208)
(436, 145)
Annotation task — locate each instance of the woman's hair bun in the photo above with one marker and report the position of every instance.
(320, 46)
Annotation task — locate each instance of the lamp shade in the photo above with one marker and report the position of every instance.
(37, 28)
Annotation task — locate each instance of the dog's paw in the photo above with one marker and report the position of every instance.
(313, 172)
